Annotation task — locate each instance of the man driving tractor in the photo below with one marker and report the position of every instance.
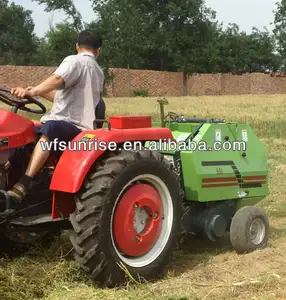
(75, 89)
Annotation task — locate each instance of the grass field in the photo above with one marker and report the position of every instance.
(200, 270)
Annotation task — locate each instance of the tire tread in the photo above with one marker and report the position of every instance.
(86, 220)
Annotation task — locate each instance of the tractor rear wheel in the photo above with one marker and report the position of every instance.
(128, 213)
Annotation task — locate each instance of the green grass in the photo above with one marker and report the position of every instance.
(201, 270)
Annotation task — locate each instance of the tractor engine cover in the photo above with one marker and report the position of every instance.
(15, 130)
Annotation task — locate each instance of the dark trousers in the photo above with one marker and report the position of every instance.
(61, 130)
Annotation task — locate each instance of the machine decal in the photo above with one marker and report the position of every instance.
(4, 142)
(237, 180)
(182, 137)
(244, 135)
(218, 135)
(87, 137)
(219, 171)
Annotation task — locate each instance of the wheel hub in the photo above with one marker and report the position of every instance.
(257, 231)
(138, 220)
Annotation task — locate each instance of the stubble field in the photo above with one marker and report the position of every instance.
(201, 270)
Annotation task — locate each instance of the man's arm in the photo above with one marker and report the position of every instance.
(65, 76)
(50, 96)
(49, 85)
(46, 89)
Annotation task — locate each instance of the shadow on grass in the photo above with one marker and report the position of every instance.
(50, 249)
(42, 267)
(194, 251)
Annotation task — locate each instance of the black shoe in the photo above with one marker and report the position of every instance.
(20, 189)
(17, 193)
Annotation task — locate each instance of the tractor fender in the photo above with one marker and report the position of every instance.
(75, 163)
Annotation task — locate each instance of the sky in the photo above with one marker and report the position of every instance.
(245, 13)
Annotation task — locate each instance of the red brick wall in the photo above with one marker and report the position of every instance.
(263, 84)
(158, 83)
(155, 82)
(11, 76)
(205, 84)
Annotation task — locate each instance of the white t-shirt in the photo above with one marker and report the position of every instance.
(76, 100)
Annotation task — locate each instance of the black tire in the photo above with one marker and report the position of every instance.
(92, 236)
(240, 229)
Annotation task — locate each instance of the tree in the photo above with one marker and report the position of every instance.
(122, 25)
(68, 7)
(18, 43)
(280, 30)
(187, 29)
(59, 42)
(263, 56)
(245, 53)
(178, 30)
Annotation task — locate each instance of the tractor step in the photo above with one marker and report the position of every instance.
(34, 220)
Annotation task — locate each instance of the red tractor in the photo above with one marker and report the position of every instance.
(122, 206)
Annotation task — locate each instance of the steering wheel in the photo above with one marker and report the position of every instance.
(21, 104)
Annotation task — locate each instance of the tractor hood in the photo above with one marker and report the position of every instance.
(15, 131)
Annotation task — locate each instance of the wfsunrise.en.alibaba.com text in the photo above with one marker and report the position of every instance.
(160, 145)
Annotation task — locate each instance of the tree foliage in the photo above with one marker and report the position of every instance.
(146, 34)
(68, 7)
(59, 42)
(280, 30)
(17, 39)
(240, 53)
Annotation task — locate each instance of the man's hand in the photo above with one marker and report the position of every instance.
(23, 93)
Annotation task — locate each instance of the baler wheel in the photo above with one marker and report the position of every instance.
(249, 229)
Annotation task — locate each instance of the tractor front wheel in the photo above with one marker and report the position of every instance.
(249, 229)
(128, 218)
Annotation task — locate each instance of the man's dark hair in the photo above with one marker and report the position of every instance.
(89, 40)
